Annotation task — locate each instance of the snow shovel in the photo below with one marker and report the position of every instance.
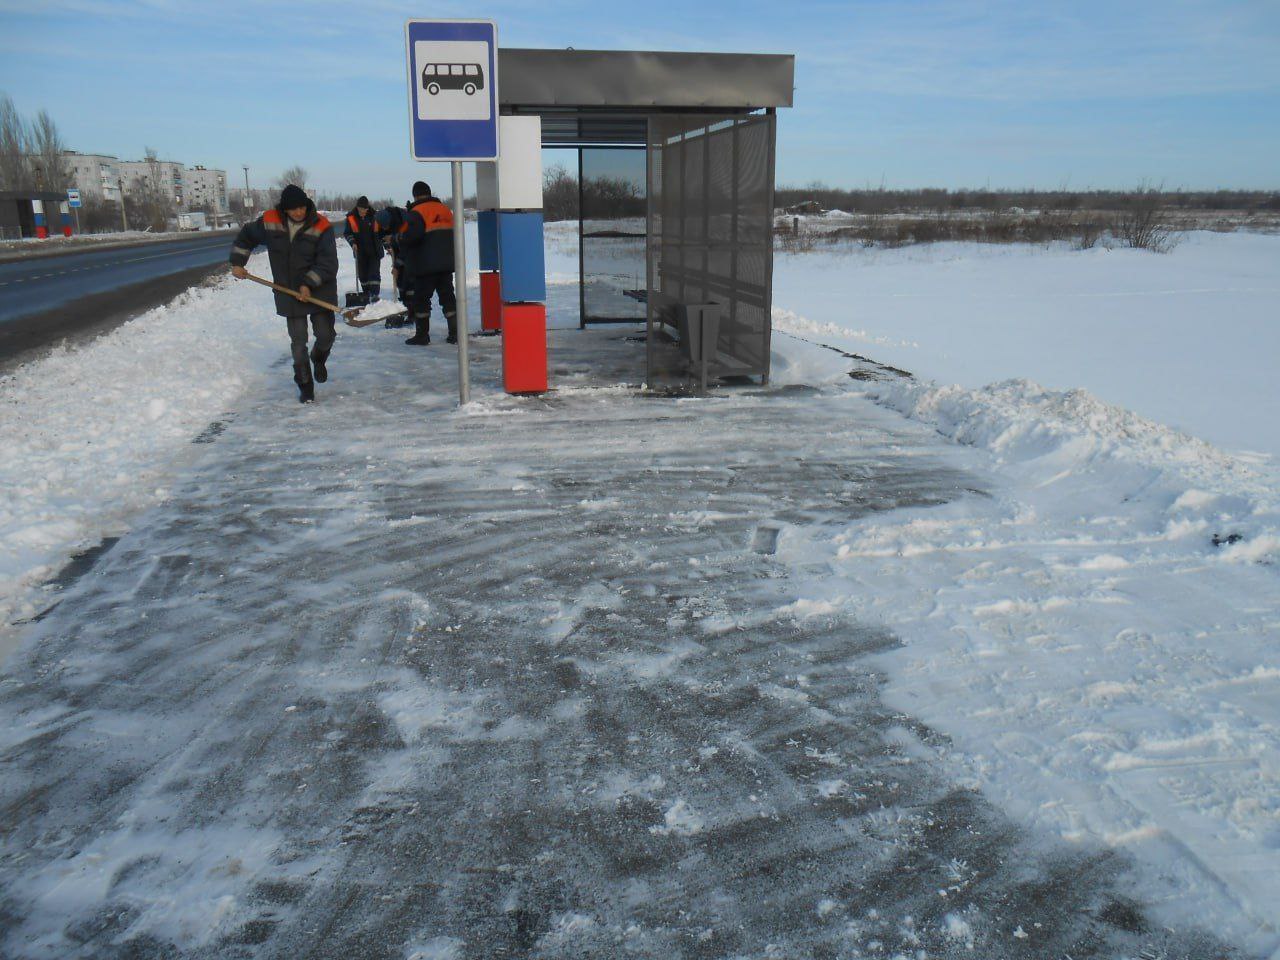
(348, 315)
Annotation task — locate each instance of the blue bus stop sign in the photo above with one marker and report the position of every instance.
(73, 197)
(453, 89)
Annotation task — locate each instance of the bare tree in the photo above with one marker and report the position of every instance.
(15, 172)
(1143, 222)
(150, 204)
(295, 175)
(46, 150)
(559, 194)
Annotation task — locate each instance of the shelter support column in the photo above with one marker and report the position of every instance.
(522, 262)
(42, 225)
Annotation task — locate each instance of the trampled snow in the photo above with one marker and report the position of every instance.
(1088, 617)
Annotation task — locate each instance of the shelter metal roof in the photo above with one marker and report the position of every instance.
(640, 81)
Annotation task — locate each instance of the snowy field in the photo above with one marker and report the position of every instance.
(1187, 338)
(1092, 631)
(1100, 639)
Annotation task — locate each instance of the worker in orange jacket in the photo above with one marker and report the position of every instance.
(361, 232)
(425, 251)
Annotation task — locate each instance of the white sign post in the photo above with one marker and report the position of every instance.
(453, 116)
(73, 201)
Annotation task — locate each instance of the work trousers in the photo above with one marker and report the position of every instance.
(369, 271)
(417, 296)
(322, 323)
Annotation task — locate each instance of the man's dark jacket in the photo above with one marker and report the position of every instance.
(310, 258)
(362, 233)
(425, 239)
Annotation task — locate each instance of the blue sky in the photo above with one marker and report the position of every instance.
(1184, 93)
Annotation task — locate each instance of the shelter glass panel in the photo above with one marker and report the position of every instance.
(612, 201)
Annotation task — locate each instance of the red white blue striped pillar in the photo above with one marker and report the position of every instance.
(520, 250)
(42, 227)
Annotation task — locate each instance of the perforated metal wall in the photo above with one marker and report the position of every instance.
(709, 235)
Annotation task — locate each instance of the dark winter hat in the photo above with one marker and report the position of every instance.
(420, 189)
(362, 202)
(291, 197)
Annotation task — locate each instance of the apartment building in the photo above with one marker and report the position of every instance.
(100, 175)
(94, 174)
(165, 175)
(206, 189)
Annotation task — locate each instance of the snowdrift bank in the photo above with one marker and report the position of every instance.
(1097, 636)
(1187, 489)
(91, 432)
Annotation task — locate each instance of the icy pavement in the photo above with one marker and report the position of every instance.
(385, 679)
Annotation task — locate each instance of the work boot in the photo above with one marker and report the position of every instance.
(307, 392)
(421, 337)
(453, 328)
(321, 373)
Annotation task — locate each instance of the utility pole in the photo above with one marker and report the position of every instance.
(248, 197)
(124, 222)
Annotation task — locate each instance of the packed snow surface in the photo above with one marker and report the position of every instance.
(1089, 620)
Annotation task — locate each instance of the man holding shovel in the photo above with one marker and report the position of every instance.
(304, 257)
(361, 232)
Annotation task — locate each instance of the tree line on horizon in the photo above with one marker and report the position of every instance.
(880, 200)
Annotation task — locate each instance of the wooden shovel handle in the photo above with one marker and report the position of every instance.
(295, 294)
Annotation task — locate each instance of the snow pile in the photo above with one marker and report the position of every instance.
(789, 321)
(90, 433)
(1095, 631)
(380, 309)
(1044, 435)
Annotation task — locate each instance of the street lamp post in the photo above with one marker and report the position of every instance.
(248, 197)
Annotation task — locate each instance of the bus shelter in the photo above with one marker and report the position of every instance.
(675, 157)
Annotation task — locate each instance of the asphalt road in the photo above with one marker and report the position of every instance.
(42, 284)
(46, 300)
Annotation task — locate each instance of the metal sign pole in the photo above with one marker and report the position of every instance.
(460, 285)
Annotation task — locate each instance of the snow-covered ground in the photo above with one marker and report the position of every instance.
(1188, 338)
(1094, 626)
(1100, 637)
(91, 433)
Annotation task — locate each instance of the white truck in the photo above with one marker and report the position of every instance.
(191, 221)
